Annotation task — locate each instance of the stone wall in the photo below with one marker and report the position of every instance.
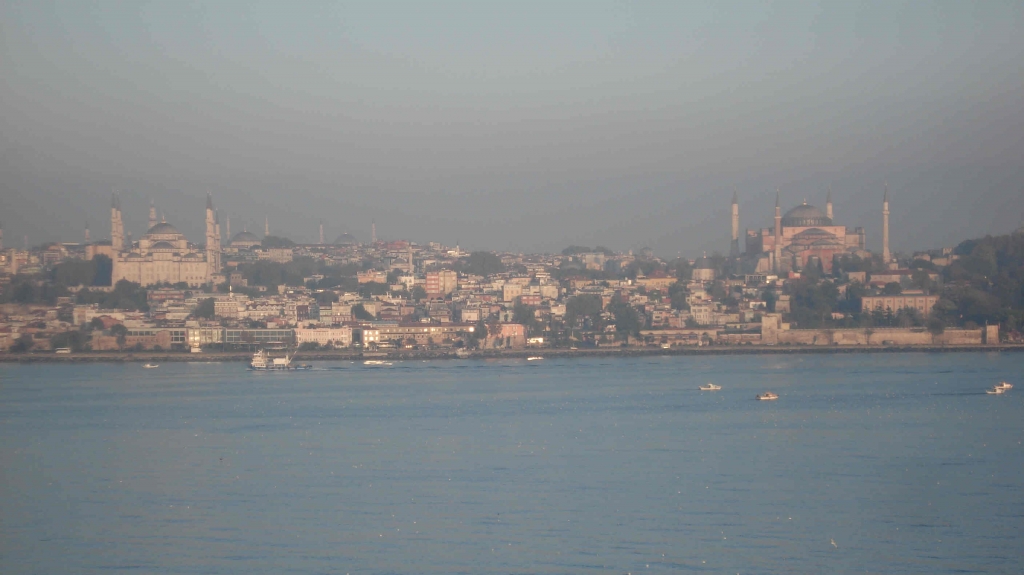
(773, 333)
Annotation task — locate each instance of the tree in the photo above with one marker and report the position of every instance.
(74, 272)
(418, 293)
(627, 320)
(921, 280)
(72, 339)
(681, 269)
(121, 332)
(481, 264)
(277, 242)
(309, 346)
(359, 312)
(23, 343)
(573, 250)
(892, 288)
(205, 309)
(586, 305)
(104, 270)
(370, 289)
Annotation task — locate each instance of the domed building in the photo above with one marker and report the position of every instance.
(804, 236)
(244, 240)
(703, 270)
(346, 239)
(163, 254)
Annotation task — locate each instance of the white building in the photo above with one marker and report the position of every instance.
(337, 336)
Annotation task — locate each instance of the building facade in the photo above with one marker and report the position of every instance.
(163, 254)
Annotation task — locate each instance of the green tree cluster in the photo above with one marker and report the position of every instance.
(481, 264)
(125, 295)
(986, 284)
(277, 242)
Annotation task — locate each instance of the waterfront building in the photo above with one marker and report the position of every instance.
(894, 303)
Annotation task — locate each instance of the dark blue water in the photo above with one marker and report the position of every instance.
(558, 466)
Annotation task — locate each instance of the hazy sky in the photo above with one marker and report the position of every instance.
(516, 125)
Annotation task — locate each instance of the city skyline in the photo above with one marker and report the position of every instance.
(514, 127)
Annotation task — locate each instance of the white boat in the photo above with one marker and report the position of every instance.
(376, 362)
(534, 358)
(261, 361)
(766, 396)
(1004, 385)
(996, 390)
(710, 387)
(150, 366)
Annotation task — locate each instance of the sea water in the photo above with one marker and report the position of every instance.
(870, 463)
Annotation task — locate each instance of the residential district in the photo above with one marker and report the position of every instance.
(802, 280)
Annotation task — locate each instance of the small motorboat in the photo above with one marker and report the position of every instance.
(996, 390)
(766, 396)
(150, 366)
(534, 358)
(1004, 386)
(710, 387)
(377, 362)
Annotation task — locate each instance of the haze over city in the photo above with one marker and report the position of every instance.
(522, 127)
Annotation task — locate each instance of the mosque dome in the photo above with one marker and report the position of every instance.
(162, 229)
(703, 263)
(346, 239)
(245, 238)
(162, 245)
(804, 216)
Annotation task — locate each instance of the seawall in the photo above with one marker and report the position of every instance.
(302, 357)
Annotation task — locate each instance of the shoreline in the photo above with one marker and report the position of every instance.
(157, 357)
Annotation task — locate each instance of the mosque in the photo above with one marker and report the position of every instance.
(163, 254)
(804, 236)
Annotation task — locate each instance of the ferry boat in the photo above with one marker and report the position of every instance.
(710, 387)
(263, 362)
(1004, 386)
(766, 396)
(377, 362)
(996, 390)
(150, 366)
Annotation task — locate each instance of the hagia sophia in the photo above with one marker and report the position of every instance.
(804, 236)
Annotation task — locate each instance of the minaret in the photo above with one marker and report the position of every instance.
(828, 204)
(86, 232)
(212, 241)
(373, 231)
(778, 234)
(116, 225)
(411, 268)
(321, 232)
(152, 214)
(734, 248)
(216, 219)
(266, 226)
(229, 228)
(886, 256)
(1, 236)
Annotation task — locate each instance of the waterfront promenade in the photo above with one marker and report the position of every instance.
(348, 355)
